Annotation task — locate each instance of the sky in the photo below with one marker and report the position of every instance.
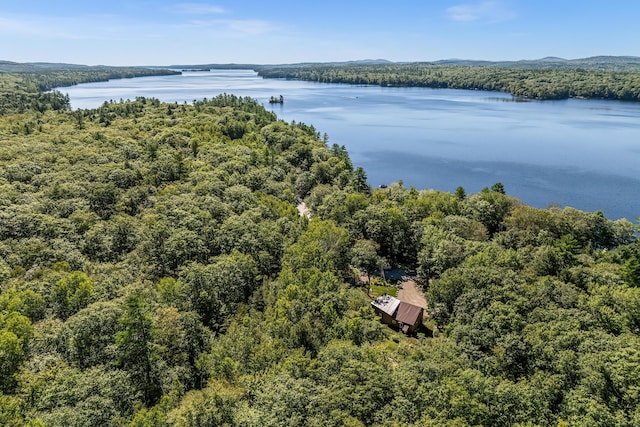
(164, 32)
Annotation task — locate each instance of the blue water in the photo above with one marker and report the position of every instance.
(579, 153)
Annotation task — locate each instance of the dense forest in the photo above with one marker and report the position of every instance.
(154, 271)
(593, 63)
(25, 87)
(534, 82)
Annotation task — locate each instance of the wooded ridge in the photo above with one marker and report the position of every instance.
(534, 82)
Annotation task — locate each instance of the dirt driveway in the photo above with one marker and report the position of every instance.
(411, 294)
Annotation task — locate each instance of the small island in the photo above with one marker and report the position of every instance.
(276, 100)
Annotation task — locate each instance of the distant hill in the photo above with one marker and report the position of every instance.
(603, 63)
(234, 66)
(44, 76)
(552, 59)
(608, 62)
(32, 67)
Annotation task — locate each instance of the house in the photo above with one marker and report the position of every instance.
(402, 315)
(409, 317)
(386, 306)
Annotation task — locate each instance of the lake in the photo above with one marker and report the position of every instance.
(579, 153)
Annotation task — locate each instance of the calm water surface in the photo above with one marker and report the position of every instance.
(580, 153)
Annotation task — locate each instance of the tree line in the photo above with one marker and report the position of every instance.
(530, 83)
(25, 87)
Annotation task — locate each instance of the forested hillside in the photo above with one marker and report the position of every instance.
(154, 271)
(525, 80)
(593, 63)
(24, 86)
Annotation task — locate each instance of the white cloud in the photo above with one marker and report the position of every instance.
(486, 11)
(235, 26)
(197, 9)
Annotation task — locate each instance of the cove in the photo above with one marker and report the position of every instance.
(579, 153)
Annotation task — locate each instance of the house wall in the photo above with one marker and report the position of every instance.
(416, 325)
(385, 317)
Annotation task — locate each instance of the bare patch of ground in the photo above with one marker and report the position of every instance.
(409, 292)
(303, 210)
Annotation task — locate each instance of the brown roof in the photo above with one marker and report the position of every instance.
(408, 313)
